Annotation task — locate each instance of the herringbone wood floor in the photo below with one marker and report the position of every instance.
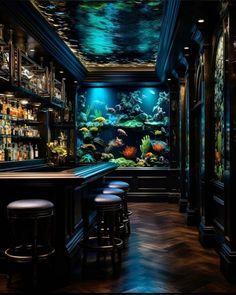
(163, 256)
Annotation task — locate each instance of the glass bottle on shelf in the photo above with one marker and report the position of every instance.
(36, 152)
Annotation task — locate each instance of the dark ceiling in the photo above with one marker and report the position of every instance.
(108, 34)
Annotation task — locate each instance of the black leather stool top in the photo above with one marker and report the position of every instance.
(111, 191)
(105, 199)
(118, 184)
(34, 208)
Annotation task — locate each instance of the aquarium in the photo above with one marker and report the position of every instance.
(219, 111)
(127, 126)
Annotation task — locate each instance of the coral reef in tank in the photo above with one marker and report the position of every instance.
(131, 129)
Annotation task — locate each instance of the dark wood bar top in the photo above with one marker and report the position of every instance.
(80, 174)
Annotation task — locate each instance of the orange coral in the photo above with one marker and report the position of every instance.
(129, 152)
(158, 147)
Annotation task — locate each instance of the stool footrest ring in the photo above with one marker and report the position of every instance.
(93, 243)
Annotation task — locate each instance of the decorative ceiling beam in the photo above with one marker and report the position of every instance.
(27, 16)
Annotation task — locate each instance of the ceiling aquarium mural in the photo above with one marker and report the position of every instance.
(107, 33)
(129, 127)
(219, 110)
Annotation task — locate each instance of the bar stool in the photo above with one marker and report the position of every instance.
(30, 225)
(108, 213)
(121, 185)
(125, 222)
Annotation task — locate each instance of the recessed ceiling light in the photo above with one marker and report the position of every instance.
(201, 20)
(31, 50)
(75, 81)
(61, 72)
(169, 79)
(50, 110)
(186, 47)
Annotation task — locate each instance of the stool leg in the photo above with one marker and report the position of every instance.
(34, 250)
(100, 218)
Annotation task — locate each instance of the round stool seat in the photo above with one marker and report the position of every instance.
(118, 184)
(111, 191)
(30, 208)
(105, 199)
(121, 185)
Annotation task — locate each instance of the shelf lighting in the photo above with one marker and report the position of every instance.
(61, 72)
(9, 94)
(186, 48)
(37, 104)
(31, 50)
(201, 20)
(169, 79)
(24, 101)
(50, 110)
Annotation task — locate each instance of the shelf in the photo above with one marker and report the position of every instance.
(19, 120)
(19, 137)
(26, 93)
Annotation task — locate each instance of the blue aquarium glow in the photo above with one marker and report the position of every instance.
(127, 126)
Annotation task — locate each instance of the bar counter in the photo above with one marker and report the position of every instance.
(69, 190)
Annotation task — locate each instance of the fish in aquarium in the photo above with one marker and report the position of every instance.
(110, 110)
(88, 146)
(100, 119)
(157, 132)
(121, 132)
(117, 142)
(93, 129)
(84, 129)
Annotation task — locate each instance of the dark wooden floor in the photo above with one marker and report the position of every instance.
(163, 256)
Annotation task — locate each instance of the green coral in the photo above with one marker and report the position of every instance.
(145, 145)
(130, 124)
(122, 162)
(87, 158)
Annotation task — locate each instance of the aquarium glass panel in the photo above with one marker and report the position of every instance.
(129, 127)
(108, 33)
(219, 110)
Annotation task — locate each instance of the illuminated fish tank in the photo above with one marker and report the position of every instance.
(127, 126)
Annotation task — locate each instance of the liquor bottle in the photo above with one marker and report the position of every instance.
(31, 151)
(6, 153)
(36, 152)
(14, 152)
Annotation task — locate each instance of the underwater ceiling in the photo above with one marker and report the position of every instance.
(108, 34)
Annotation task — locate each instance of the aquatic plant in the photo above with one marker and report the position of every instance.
(87, 158)
(158, 147)
(130, 124)
(122, 162)
(88, 111)
(140, 163)
(107, 157)
(129, 152)
(97, 113)
(145, 145)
